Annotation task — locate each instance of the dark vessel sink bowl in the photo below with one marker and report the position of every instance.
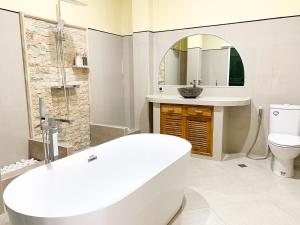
(190, 92)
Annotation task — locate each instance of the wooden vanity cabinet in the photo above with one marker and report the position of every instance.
(193, 123)
(173, 120)
(199, 133)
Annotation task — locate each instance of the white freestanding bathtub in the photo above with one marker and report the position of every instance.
(135, 180)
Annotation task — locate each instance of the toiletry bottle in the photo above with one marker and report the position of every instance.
(84, 60)
(78, 59)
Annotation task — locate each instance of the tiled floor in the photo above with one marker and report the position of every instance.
(221, 193)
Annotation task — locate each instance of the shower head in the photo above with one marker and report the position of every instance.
(75, 2)
(60, 21)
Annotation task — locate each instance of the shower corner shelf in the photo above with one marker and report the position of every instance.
(80, 67)
(69, 86)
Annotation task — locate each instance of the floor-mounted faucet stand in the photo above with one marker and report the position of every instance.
(49, 133)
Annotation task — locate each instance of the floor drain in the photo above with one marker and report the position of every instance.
(242, 165)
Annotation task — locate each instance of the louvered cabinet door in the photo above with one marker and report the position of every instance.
(199, 133)
(173, 125)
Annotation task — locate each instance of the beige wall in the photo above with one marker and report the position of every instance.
(192, 13)
(157, 15)
(142, 15)
(99, 14)
(125, 16)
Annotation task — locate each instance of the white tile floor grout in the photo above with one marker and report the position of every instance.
(221, 193)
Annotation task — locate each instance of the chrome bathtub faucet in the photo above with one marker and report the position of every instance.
(49, 133)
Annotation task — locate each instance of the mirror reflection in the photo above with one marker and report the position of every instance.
(206, 59)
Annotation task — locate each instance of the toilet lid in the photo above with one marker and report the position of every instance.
(285, 140)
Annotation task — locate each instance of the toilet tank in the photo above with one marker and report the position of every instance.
(285, 119)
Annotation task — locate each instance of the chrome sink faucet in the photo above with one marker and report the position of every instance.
(194, 83)
(49, 133)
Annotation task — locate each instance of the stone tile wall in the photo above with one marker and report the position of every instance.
(43, 73)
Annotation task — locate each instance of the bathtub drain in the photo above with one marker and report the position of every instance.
(92, 158)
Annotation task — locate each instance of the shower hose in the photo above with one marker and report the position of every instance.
(260, 116)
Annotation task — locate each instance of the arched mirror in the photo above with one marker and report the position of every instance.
(208, 59)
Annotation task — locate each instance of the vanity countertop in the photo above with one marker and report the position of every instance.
(206, 100)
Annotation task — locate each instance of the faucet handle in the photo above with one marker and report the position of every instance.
(64, 121)
(53, 121)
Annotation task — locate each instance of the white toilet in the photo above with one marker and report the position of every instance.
(284, 138)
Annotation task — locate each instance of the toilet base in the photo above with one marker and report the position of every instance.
(283, 168)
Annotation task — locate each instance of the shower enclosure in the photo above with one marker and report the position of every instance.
(50, 48)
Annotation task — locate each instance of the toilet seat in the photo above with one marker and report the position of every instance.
(284, 140)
